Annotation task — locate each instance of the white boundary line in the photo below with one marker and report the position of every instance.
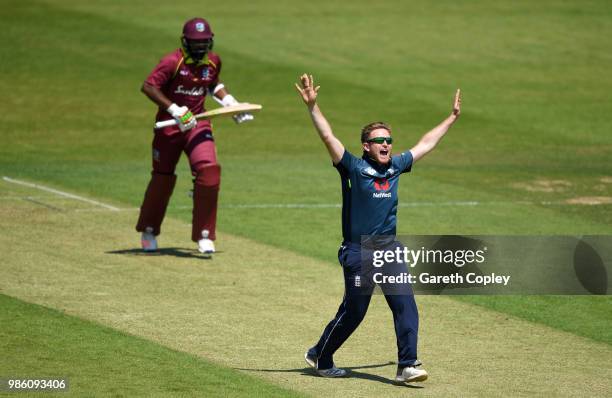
(339, 205)
(104, 206)
(60, 193)
(464, 203)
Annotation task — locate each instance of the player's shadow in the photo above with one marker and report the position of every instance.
(180, 252)
(352, 373)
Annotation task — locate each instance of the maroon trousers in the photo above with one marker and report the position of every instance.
(199, 146)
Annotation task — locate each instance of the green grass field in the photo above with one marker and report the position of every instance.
(531, 153)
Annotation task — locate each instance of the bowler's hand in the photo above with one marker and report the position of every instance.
(307, 90)
(457, 104)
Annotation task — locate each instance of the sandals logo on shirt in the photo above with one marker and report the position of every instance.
(194, 91)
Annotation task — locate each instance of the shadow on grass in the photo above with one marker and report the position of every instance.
(180, 252)
(352, 373)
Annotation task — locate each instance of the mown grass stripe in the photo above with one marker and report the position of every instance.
(99, 361)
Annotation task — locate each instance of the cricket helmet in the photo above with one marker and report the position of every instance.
(197, 38)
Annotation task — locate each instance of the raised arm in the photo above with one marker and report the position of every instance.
(309, 95)
(431, 139)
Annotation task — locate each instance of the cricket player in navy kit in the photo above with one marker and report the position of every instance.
(369, 207)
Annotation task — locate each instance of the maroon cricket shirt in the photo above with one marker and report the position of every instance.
(184, 82)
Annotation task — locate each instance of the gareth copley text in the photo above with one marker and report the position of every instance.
(428, 279)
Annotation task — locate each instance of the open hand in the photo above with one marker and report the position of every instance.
(307, 90)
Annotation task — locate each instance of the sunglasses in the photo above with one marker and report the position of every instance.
(380, 140)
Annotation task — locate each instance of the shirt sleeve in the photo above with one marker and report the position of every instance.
(347, 164)
(163, 72)
(403, 162)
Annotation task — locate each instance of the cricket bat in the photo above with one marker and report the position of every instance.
(225, 111)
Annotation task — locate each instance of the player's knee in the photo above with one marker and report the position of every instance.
(208, 175)
(163, 173)
(407, 306)
(160, 168)
(163, 179)
(357, 311)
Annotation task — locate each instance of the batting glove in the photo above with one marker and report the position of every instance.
(243, 117)
(229, 100)
(183, 117)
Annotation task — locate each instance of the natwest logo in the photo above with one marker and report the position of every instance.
(381, 194)
(194, 91)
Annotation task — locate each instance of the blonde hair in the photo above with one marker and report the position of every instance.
(368, 128)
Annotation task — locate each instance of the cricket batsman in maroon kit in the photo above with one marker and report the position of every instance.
(179, 85)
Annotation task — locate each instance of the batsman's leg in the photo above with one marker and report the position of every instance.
(207, 172)
(205, 198)
(166, 152)
(155, 202)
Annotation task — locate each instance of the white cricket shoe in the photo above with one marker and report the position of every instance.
(410, 374)
(332, 372)
(205, 245)
(148, 241)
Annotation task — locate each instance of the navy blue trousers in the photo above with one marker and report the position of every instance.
(354, 306)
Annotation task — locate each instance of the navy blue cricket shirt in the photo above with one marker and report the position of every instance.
(369, 195)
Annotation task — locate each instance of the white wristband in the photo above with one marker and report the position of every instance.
(229, 100)
(218, 87)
